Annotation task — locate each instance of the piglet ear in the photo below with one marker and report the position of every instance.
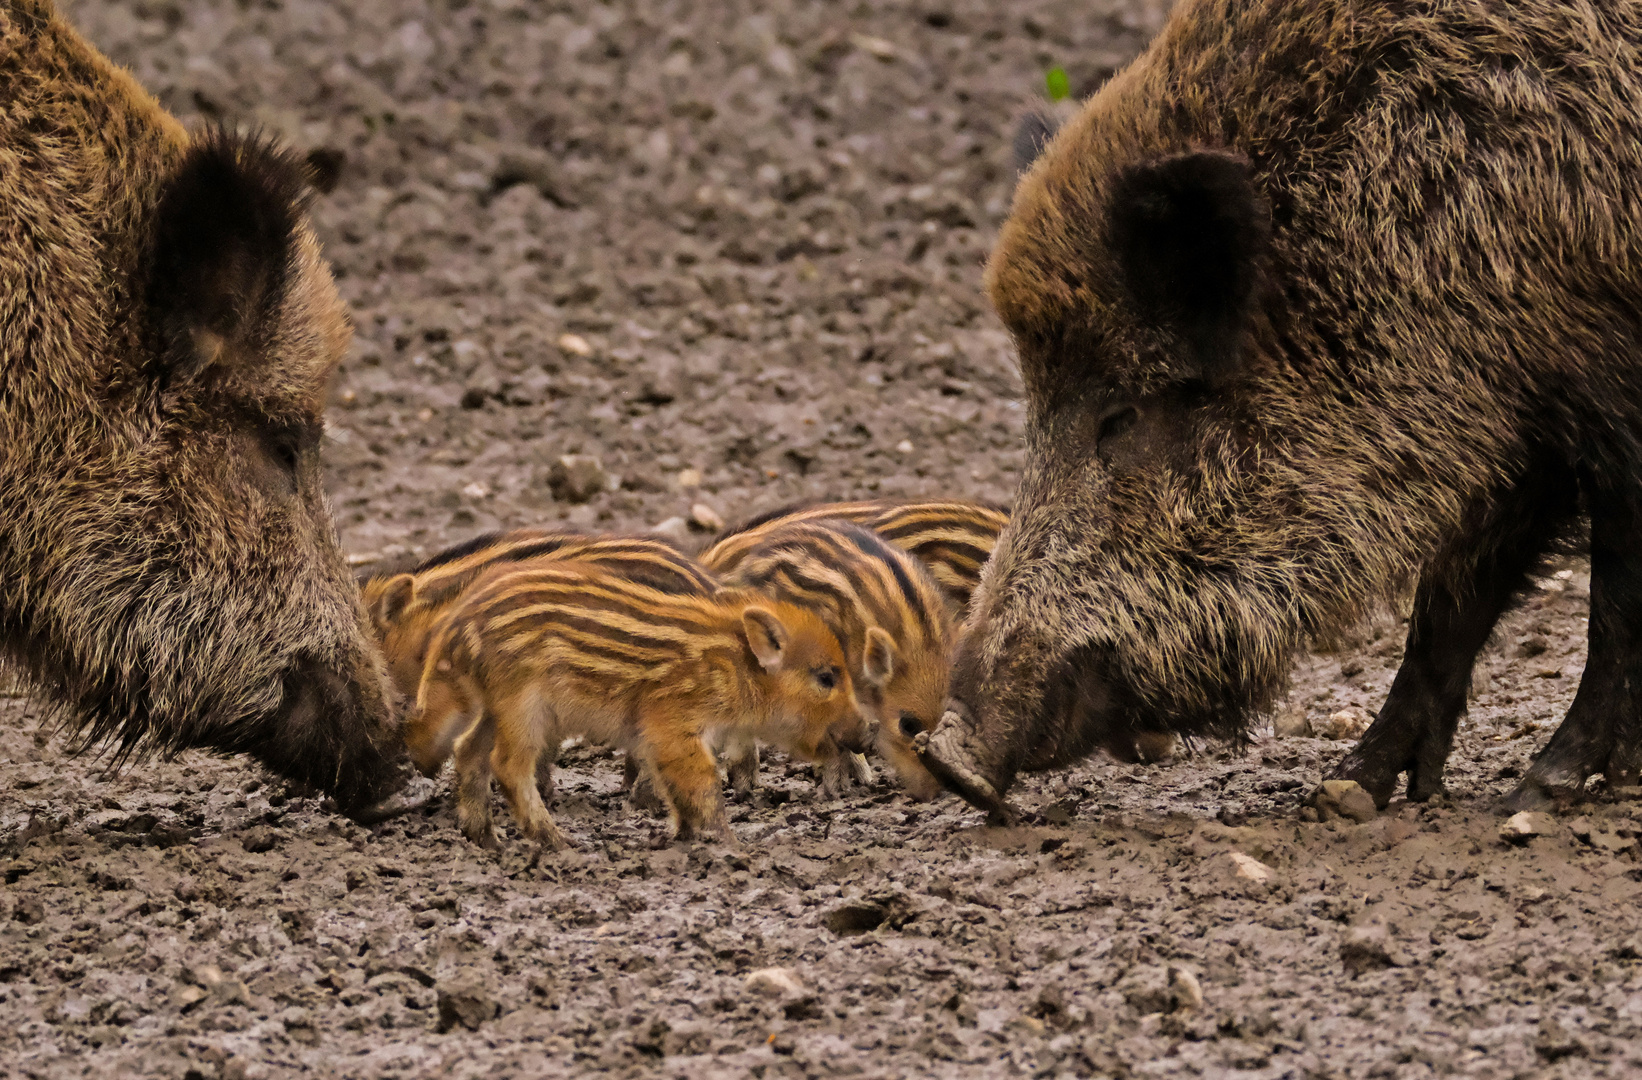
(223, 245)
(878, 665)
(387, 599)
(766, 636)
(1190, 232)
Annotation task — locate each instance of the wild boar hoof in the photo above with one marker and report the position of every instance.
(948, 753)
(1534, 794)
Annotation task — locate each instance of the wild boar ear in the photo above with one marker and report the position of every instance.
(1190, 232)
(223, 243)
(766, 636)
(387, 600)
(878, 665)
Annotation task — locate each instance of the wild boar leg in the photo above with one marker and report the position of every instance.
(1451, 621)
(1601, 731)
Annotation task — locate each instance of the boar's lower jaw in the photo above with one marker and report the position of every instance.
(959, 759)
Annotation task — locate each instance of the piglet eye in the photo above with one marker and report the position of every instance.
(826, 678)
(911, 726)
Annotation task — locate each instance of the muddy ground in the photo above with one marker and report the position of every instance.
(762, 226)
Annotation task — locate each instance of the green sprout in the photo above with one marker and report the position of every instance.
(1060, 87)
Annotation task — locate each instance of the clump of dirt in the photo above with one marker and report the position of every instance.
(733, 251)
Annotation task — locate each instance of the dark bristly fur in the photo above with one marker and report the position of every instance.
(1317, 300)
(168, 329)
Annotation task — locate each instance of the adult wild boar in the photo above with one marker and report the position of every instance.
(1316, 300)
(169, 572)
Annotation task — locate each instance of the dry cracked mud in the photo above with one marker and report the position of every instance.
(733, 250)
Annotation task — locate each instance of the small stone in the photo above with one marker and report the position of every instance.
(206, 975)
(1530, 647)
(1349, 723)
(465, 1004)
(775, 982)
(705, 518)
(185, 996)
(1185, 992)
(689, 478)
(1521, 827)
(476, 490)
(875, 46)
(259, 840)
(855, 917)
(1250, 868)
(1291, 723)
(674, 528)
(576, 478)
(534, 168)
(575, 345)
(483, 384)
(663, 380)
(1556, 1042)
(1369, 948)
(904, 446)
(1148, 990)
(1345, 799)
(296, 1016)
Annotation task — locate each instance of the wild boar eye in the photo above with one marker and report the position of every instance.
(1116, 422)
(286, 453)
(826, 678)
(911, 726)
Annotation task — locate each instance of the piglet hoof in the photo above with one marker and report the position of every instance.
(947, 753)
(860, 769)
(483, 834)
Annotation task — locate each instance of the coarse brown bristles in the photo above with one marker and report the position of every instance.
(168, 330)
(1315, 301)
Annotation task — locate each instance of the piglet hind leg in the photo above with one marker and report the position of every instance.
(1602, 732)
(1449, 625)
